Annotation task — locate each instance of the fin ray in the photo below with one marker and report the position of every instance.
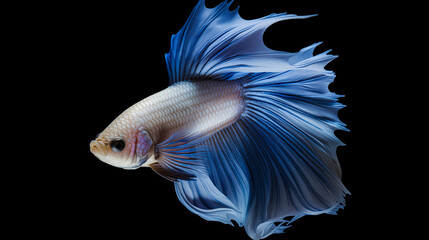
(178, 157)
(217, 43)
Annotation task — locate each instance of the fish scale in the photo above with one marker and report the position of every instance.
(203, 106)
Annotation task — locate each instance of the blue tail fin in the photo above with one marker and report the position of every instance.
(279, 159)
(290, 122)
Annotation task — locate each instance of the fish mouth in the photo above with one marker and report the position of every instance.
(97, 147)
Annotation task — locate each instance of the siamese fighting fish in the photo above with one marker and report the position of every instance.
(244, 132)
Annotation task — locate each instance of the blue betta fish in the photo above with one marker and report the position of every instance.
(246, 133)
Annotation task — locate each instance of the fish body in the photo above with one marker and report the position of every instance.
(246, 133)
(199, 108)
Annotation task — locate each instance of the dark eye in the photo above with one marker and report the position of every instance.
(117, 144)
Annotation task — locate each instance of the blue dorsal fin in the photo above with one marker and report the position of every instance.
(216, 43)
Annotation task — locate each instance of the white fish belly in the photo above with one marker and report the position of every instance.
(198, 107)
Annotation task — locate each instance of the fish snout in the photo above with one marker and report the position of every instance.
(98, 147)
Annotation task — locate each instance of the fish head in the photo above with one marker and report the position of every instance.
(122, 145)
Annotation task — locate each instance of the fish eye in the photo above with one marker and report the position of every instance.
(117, 144)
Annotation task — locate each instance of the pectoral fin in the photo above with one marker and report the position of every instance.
(178, 157)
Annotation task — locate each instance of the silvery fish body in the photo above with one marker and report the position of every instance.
(246, 133)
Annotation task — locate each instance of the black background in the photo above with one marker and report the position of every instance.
(91, 61)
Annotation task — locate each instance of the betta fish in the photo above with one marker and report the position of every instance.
(245, 133)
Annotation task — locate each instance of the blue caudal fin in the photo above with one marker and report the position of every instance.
(278, 162)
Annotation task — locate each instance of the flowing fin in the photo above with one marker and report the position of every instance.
(278, 162)
(180, 160)
(201, 197)
(290, 122)
(218, 44)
